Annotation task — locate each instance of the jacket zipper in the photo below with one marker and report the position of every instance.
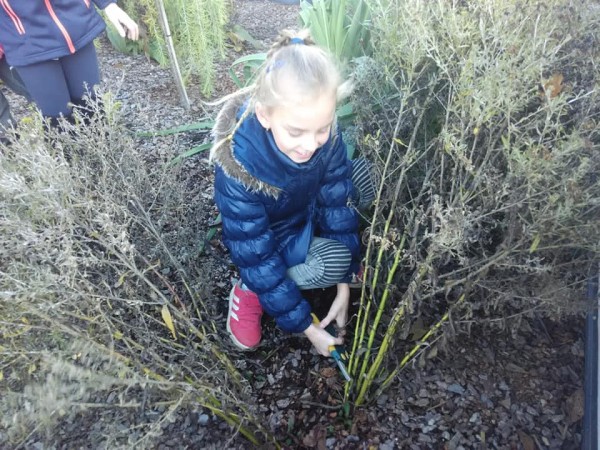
(60, 26)
(16, 21)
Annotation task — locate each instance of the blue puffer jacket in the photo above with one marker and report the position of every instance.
(272, 207)
(32, 31)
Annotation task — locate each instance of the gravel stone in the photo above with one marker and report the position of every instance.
(456, 389)
(203, 419)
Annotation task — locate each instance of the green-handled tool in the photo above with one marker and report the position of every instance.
(338, 352)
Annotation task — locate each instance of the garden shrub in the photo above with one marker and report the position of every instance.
(481, 118)
(197, 28)
(99, 304)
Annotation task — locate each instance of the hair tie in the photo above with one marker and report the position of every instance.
(297, 40)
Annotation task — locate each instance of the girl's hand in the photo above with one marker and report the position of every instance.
(339, 307)
(124, 24)
(321, 339)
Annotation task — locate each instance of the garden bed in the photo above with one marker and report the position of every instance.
(511, 383)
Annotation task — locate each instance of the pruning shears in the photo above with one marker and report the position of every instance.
(338, 352)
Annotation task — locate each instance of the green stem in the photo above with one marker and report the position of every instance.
(391, 330)
(410, 355)
(379, 313)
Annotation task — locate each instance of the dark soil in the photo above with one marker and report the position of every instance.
(497, 388)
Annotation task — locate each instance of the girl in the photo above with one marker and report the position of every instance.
(50, 42)
(284, 187)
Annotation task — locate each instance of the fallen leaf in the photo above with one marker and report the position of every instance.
(238, 44)
(166, 316)
(417, 330)
(433, 352)
(327, 372)
(315, 438)
(309, 440)
(526, 440)
(553, 85)
(239, 37)
(574, 406)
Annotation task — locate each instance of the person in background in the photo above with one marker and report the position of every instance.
(50, 44)
(12, 80)
(288, 194)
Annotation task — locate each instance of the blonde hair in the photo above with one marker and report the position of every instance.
(295, 69)
(295, 60)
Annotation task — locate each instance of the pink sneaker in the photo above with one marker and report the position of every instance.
(243, 319)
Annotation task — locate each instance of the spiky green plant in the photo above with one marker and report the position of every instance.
(341, 26)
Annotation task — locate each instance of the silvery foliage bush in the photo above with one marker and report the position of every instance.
(481, 118)
(96, 257)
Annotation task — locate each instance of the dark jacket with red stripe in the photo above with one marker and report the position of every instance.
(38, 30)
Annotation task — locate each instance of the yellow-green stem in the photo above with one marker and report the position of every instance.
(364, 321)
(234, 420)
(391, 331)
(409, 356)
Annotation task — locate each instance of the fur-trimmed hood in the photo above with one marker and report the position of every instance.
(222, 152)
(249, 153)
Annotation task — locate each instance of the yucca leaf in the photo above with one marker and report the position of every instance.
(350, 149)
(322, 22)
(340, 26)
(345, 112)
(305, 13)
(338, 15)
(191, 152)
(236, 80)
(204, 125)
(260, 57)
(251, 64)
(357, 31)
